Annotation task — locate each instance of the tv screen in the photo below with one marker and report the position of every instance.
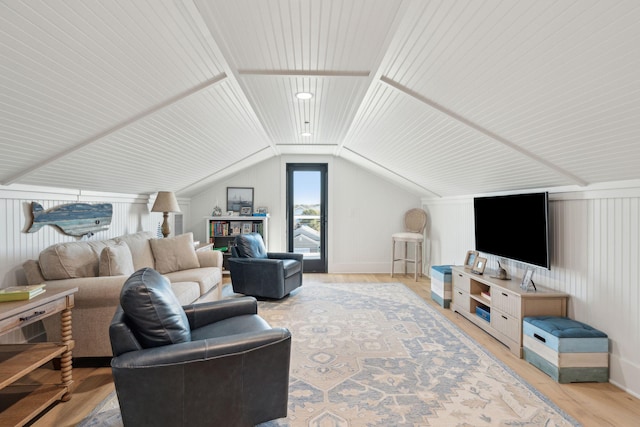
(514, 226)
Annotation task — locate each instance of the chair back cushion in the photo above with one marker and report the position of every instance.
(153, 311)
(250, 245)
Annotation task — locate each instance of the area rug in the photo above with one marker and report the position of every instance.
(376, 354)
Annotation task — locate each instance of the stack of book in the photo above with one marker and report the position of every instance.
(486, 294)
(17, 293)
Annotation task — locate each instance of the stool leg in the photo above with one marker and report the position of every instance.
(393, 254)
(406, 254)
(418, 261)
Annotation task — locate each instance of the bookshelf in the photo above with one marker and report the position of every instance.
(222, 230)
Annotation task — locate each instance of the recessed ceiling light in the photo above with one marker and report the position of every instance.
(305, 134)
(304, 95)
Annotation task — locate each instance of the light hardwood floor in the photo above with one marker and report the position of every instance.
(592, 404)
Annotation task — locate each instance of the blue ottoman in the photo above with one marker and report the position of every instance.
(441, 285)
(565, 349)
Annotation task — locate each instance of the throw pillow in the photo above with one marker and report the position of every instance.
(116, 260)
(155, 313)
(174, 253)
(140, 248)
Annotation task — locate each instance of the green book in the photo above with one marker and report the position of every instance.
(17, 293)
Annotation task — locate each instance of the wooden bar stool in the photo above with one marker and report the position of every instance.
(415, 220)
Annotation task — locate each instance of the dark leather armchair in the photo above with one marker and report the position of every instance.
(259, 273)
(208, 364)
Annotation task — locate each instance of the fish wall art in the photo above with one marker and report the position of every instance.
(75, 219)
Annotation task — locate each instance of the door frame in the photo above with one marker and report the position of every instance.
(310, 266)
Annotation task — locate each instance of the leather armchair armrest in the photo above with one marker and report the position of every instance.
(209, 312)
(200, 350)
(285, 255)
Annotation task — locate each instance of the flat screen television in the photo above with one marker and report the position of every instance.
(514, 226)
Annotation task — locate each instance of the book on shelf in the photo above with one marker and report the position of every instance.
(17, 293)
(486, 294)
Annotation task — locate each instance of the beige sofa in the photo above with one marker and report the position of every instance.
(99, 269)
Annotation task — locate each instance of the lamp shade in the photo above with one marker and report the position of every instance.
(165, 202)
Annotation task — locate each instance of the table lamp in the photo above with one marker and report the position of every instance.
(165, 202)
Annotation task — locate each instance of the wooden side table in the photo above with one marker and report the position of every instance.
(18, 360)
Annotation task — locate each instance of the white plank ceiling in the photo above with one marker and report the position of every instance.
(451, 97)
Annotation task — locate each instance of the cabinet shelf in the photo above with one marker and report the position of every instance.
(20, 399)
(507, 306)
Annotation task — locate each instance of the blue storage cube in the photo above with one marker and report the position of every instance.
(484, 312)
(441, 285)
(565, 349)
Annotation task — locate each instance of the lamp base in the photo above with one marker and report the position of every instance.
(165, 225)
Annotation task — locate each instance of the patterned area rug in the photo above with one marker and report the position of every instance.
(376, 354)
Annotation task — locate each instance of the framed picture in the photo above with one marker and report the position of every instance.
(470, 259)
(526, 279)
(245, 211)
(246, 227)
(479, 265)
(238, 198)
(236, 227)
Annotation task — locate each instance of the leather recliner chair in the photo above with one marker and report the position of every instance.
(207, 364)
(259, 273)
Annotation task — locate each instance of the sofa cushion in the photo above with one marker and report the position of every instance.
(116, 260)
(72, 259)
(174, 253)
(32, 272)
(206, 277)
(140, 248)
(156, 316)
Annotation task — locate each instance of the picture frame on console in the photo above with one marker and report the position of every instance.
(479, 265)
(470, 259)
(526, 279)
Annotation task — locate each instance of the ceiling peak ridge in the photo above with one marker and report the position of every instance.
(463, 120)
(304, 73)
(120, 126)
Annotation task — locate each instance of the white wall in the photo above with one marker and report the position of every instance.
(595, 257)
(363, 210)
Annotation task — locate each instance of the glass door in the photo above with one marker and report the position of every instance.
(307, 214)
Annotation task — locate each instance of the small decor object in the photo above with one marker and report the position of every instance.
(239, 197)
(17, 293)
(245, 211)
(261, 211)
(75, 219)
(165, 202)
(479, 265)
(526, 280)
(470, 259)
(501, 273)
(229, 213)
(217, 211)
(246, 227)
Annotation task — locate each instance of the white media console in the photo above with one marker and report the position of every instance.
(504, 302)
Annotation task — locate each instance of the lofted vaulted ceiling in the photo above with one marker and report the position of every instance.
(448, 97)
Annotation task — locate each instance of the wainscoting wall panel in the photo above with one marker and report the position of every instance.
(595, 250)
